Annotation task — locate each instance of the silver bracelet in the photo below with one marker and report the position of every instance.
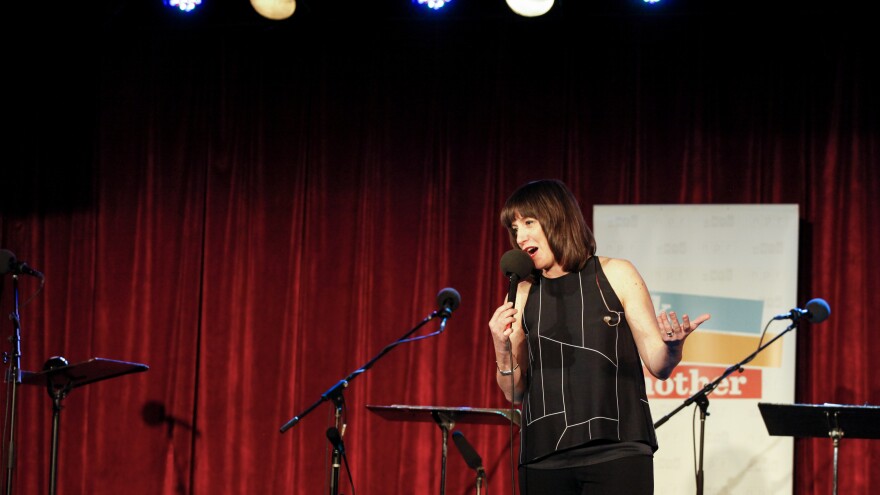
(506, 372)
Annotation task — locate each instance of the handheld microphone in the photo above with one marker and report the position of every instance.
(470, 455)
(448, 300)
(816, 311)
(516, 265)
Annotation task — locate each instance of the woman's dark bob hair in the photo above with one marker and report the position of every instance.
(553, 205)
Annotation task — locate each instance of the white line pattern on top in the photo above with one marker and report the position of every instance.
(614, 362)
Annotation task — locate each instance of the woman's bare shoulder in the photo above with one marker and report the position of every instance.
(616, 264)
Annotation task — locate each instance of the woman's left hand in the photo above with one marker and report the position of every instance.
(672, 331)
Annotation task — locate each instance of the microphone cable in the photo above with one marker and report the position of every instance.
(512, 456)
(512, 415)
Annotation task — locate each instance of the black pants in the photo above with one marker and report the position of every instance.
(632, 475)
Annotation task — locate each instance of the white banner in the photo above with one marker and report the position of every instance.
(739, 263)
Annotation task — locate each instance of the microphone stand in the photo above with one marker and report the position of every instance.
(336, 456)
(58, 392)
(701, 398)
(14, 377)
(446, 423)
(334, 393)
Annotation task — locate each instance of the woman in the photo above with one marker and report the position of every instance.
(570, 349)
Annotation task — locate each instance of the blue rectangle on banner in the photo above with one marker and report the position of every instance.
(728, 314)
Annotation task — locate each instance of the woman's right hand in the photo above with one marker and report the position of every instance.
(501, 325)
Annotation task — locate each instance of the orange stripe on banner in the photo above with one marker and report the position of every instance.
(688, 380)
(727, 349)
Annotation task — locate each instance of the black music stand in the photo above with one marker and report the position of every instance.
(61, 378)
(822, 420)
(446, 418)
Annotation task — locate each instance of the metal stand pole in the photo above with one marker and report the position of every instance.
(14, 377)
(53, 459)
(446, 423)
(336, 457)
(480, 475)
(836, 433)
(703, 403)
(58, 386)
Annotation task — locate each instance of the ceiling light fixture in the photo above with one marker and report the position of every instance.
(274, 9)
(432, 4)
(183, 5)
(530, 8)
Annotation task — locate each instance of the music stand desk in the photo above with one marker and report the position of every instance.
(822, 420)
(467, 415)
(446, 418)
(84, 373)
(61, 380)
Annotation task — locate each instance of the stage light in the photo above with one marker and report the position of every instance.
(432, 4)
(652, 1)
(274, 9)
(530, 8)
(183, 5)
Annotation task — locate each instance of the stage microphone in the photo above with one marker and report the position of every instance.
(470, 455)
(516, 265)
(816, 311)
(336, 439)
(448, 300)
(8, 263)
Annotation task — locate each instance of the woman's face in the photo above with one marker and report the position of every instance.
(530, 238)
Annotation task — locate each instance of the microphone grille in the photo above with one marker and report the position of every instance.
(516, 262)
(449, 297)
(818, 310)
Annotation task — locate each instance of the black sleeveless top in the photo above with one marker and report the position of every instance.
(584, 387)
